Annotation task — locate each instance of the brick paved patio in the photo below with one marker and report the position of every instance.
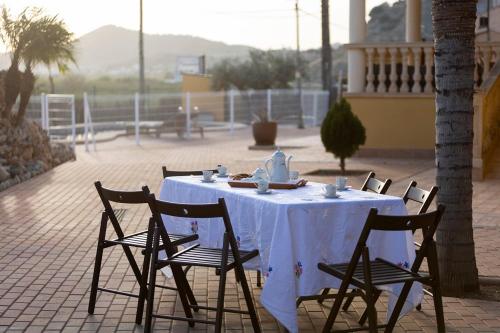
(49, 228)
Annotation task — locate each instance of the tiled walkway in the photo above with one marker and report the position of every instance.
(49, 225)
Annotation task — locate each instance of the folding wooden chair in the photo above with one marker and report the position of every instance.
(373, 184)
(225, 259)
(424, 198)
(142, 239)
(366, 275)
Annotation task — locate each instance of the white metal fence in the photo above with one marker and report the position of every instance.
(90, 117)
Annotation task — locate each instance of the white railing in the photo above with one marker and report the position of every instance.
(184, 114)
(408, 68)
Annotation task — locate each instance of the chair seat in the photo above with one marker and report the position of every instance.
(207, 257)
(382, 272)
(139, 239)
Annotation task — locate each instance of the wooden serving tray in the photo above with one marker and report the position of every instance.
(276, 186)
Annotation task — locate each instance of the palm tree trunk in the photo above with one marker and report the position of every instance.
(51, 83)
(27, 85)
(453, 22)
(12, 88)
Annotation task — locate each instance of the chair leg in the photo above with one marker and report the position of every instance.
(259, 279)
(371, 312)
(145, 271)
(399, 305)
(182, 288)
(438, 307)
(248, 298)
(364, 316)
(335, 308)
(152, 283)
(370, 293)
(220, 300)
(436, 288)
(323, 294)
(348, 303)
(97, 264)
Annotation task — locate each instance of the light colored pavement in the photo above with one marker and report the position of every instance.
(49, 229)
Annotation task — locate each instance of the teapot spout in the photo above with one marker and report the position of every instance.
(288, 163)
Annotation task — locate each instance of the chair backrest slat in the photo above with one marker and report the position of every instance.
(423, 197)
(402, 223)
(189, 210)
(173, 173)
(125, 197)
(373, 184)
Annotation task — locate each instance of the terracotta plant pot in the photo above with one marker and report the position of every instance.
(265, 133)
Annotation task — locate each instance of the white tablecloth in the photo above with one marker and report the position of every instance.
(294, 230)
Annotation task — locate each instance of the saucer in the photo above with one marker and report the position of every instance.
(345, 188)
(330, 196)
(208, 181)
(268, 191)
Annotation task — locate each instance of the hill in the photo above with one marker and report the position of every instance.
(98, 50)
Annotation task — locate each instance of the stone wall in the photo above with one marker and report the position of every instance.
(25, 151)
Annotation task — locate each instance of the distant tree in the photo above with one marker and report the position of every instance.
(33, 38)
(49, 43)
(15, 33)
(342, 132)
(263, 70)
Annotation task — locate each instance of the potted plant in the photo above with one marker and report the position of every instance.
(264, 130)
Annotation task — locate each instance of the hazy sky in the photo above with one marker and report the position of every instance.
(260, 23)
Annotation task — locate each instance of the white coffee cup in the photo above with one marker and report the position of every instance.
(207, 175)
(222, 170)
(294, 175)
(262, 185)
(341, 183)
(330, 190)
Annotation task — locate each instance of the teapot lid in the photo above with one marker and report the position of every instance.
(278, 153)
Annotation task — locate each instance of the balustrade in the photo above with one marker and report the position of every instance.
(408, 68)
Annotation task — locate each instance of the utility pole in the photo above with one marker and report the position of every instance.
(298, 74)
(142, 85)
(326, 49)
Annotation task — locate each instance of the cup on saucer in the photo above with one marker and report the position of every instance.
(341, 183)
(222, 170)
(294, 175)
(207, 175)
(262, 186)
(330, 190)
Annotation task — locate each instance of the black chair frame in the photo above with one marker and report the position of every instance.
(141, 240)
(225, 259)
(368, 274)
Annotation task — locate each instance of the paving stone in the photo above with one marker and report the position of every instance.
(50, 224)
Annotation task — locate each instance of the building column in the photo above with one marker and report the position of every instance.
(356, 57)
(413, 23)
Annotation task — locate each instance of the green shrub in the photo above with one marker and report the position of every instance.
(342, 132)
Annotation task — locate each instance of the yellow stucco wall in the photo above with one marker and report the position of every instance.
(198, 86)
(491, 122)
(396, 122)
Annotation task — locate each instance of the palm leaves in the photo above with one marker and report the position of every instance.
(33, 38)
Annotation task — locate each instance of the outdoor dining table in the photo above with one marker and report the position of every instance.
(294, 230)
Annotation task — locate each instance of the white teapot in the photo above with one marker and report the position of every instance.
(280, 169)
